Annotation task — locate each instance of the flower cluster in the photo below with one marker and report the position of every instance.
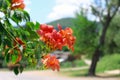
(56, 39)
(15, 4)
(50, 61)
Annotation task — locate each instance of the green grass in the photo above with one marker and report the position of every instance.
(76, 63)
(109, 62)
(74, 73)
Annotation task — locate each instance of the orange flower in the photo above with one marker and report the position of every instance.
(17, 42)
(56, 39)
(68, 37)
(50, 61)
(20, 42)
(50, 36)
(19, 58)
(15, 4)
(45, 29)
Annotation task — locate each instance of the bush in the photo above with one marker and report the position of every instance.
(76, 63)
(109, 62)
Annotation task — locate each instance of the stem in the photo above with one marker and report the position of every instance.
(9, 34)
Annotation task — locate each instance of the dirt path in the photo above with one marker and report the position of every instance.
(46, 75)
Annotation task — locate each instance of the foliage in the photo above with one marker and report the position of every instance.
(106, 63)
(92, 38)
(86, 33)
(109, 62)
(112, 37)
(76, 63)
(27, 45)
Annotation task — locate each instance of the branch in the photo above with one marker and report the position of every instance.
(100, 17)
(116, 9)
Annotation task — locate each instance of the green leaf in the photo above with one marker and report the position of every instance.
(33, 35)
(29, 26)
(16, 71)
(1, 2)
(14, 58)
(37, 25)
(1, 28)
(30, 60)
(9, 1)
(26, 16)
(7, 57)
(21, 69)
(0, 39)
(5, 4)
(7, 42)
(20, 15)
(17, 16)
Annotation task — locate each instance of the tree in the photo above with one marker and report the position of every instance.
(105, 14)
(86, 34)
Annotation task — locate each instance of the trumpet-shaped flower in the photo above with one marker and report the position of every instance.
(19, 41)
(15, 4)
(50, 61)
(68, 37)
(56, 39)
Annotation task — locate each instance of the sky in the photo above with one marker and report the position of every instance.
(45, 11)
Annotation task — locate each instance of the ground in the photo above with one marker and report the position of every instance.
(46, 75)
(54, 75)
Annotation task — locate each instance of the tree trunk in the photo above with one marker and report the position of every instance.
(95, 59)
(98, 51)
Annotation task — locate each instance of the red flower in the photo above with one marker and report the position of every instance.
(17, 42)
(50, 61)
(44, 29)
(68, 37)
(49, 35)
(56, 39)
(15, 4)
